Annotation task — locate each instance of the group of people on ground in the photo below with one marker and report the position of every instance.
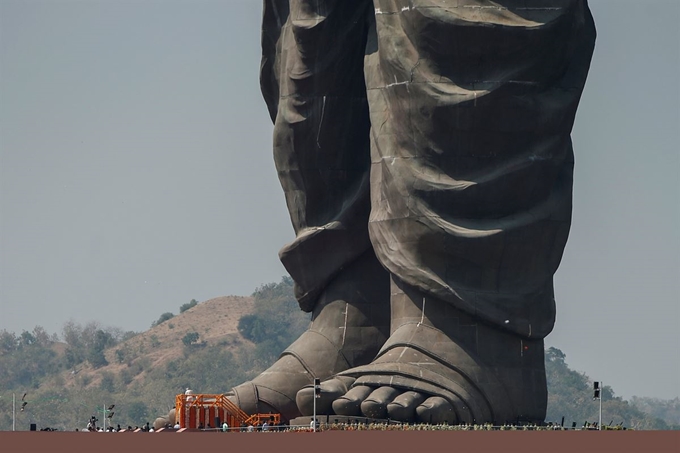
(92, 427)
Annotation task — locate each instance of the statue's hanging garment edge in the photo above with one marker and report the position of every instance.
(465, 109)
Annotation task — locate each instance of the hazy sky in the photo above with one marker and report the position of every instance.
(136, 173)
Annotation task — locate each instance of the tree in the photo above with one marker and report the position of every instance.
(137, 412)
(95, 355)
(72, 358)
(164, 317)
(8, 342)
(26, 339)
(253, 328)
(190, 338)
(41, 336)
(97, 358)
(81, 342)
(188, 305)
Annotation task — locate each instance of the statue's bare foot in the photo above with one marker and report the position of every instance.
(440, 366)
(350, 323)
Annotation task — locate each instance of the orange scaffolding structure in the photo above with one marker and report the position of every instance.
(203, 410)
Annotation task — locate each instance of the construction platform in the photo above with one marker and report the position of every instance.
(212, 410)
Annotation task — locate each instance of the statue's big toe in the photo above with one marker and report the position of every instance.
(331, 390)
(436, 410)
(274, 390)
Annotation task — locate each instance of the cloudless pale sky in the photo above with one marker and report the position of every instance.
(136, 173)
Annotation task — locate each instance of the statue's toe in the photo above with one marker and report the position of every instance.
(350, 403)
(436, 410)
(259, 399)
(331, 390)
(375, 405)
(159, 423)
(403, 407)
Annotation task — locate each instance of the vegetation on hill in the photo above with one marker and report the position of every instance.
(667, 410)
(570, 395)
(70, 377)
(276, 322)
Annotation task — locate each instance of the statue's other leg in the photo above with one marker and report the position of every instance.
(472, 105)
(312, 79)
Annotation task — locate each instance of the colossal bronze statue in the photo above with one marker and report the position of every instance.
(424, 150)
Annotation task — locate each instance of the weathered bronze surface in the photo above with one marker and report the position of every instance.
(424, 151)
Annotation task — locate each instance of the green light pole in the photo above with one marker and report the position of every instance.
(107, 413)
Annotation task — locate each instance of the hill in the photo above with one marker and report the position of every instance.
(215, 322)
(210, 347)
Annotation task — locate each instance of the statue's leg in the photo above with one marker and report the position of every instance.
(472, 105)
(312, 80)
